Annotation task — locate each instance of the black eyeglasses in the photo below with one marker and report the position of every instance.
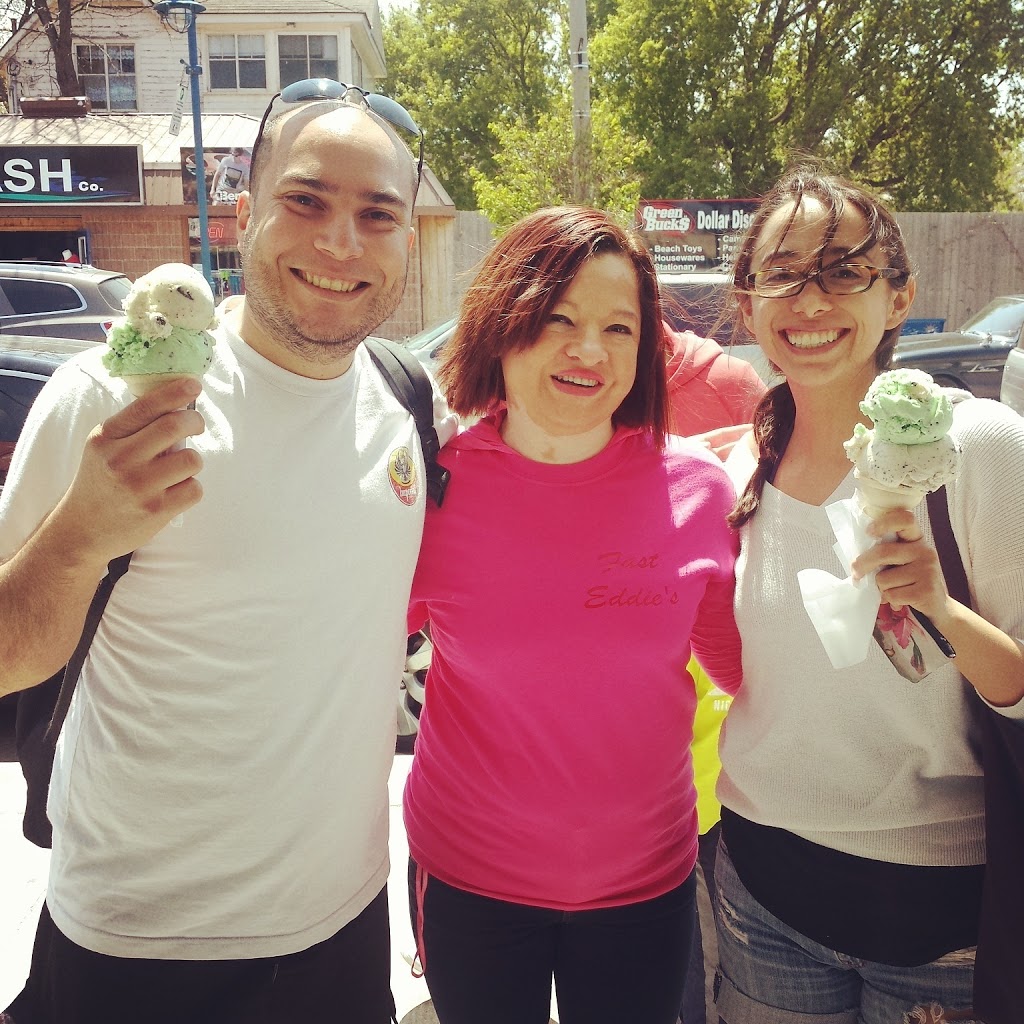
(839, 279)
(312, 90)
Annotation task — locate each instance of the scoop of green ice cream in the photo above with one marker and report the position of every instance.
(182, 351)
(907, 407)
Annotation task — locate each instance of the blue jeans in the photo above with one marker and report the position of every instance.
(488, 960)
(698, 998)
(771, 974)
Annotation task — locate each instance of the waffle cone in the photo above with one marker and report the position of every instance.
(875, 499)
(140, 384)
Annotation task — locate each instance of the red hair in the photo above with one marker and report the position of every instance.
(520, 281)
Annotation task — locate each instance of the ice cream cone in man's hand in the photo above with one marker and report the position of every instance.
(164, 334)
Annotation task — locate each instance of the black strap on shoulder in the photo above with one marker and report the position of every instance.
(998, 989)
(115, 570)
(946, 547)
(411, 386)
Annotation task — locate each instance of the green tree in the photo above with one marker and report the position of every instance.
(463, 67)
(52, 19)
(916, 97)
(547, 166)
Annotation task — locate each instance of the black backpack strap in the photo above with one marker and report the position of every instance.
(41, 710)
(998, 988)
(411, 386)
(946, 547)
(115, 570)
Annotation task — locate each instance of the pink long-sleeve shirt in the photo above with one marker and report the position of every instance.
(552, 763)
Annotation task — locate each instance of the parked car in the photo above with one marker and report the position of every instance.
(1011, 392)
(973, 356)
(26, 363)
(428, 345)
(410, 690)
(59, 300)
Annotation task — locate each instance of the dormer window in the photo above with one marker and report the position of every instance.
(238, 62)
(307, 57)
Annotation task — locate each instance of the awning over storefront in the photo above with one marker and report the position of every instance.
(162, 152)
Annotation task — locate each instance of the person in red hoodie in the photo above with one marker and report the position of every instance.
(712, 397)
(711, 392)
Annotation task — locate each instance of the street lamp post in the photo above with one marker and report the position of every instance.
(181, 16)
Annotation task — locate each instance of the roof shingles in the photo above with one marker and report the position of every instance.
(160, 149)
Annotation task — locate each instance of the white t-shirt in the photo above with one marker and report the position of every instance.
(220, 787)
(860, 759)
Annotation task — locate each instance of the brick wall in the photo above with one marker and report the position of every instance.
(137, 243)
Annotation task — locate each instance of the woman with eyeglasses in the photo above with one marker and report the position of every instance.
(578, 556)
(853, 829)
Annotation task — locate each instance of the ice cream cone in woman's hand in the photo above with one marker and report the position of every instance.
(909, 452)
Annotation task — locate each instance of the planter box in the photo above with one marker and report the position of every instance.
(55, 106)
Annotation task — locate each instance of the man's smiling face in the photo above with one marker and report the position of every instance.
(325, 241)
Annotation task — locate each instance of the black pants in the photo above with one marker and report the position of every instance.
(487, 961)
(698, 1005)
(344, 980)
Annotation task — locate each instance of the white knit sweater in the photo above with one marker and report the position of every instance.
(859, 759)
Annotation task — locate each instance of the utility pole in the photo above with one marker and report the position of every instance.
(181, 16)
(580, 65)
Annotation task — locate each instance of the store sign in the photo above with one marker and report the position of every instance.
(103, 175)
(221, 232)
(686, 235)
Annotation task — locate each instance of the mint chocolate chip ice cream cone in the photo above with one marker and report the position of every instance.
(909, 452)
(164, 334)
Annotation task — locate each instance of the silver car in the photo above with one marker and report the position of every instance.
(1012, 391)
(972, 357)
(60, 301)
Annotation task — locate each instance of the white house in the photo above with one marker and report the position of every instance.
(132, 67)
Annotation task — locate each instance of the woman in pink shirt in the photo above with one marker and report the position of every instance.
(579, 554)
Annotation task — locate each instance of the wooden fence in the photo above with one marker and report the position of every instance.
(474, 236)
(962, 260)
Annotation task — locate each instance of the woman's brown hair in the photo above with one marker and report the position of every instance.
(519, 283)
(775, 415)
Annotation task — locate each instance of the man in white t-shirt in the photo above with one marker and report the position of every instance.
(219, 794)
(230, 178)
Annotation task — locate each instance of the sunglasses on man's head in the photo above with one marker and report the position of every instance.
(314, 90)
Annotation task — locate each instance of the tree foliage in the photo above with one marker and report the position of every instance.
(548, 165)
(918, 98)
(464, 67)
